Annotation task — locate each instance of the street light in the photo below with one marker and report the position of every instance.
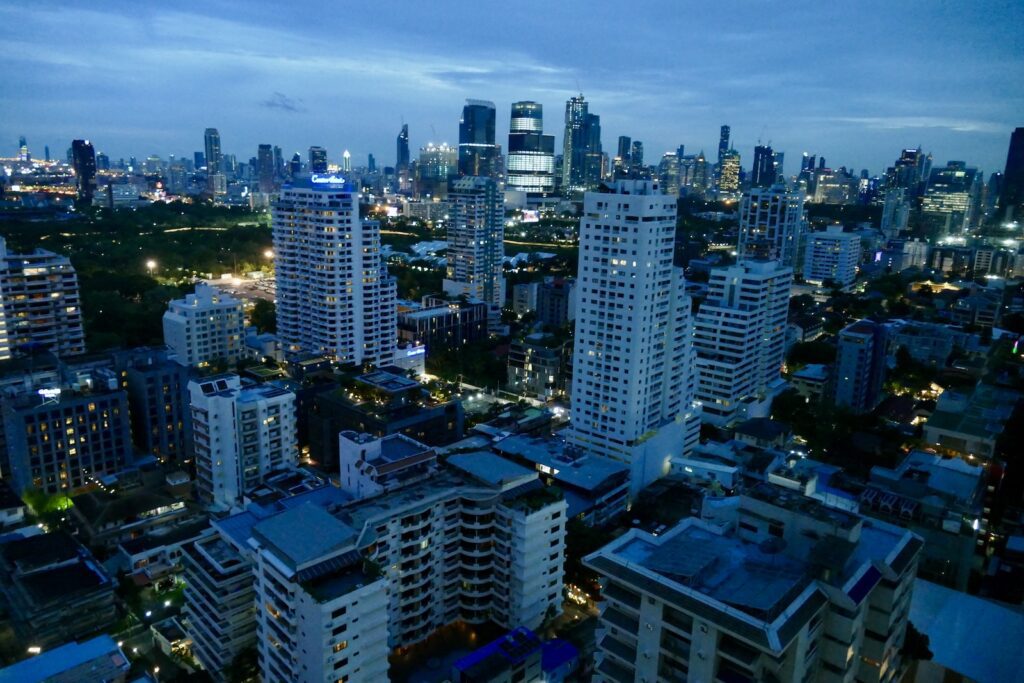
(269, 253)
(150, 266)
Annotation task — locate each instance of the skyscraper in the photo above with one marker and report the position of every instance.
(402, 160)
(740, 339)
(723, 144)
(265, 168)
(23, 154)
(763, 172)
(729, 172)
(1011, 201)
(581, 147)
(84, 162)
(436, 166)
(478, 152)
(636, 159)
(334, 295)
(476, 246)
(371, 163)
(632, 381)
(860, 366)
(213, 156)
(624, 149)
(317, 159)
(531, 154)
(771, 220)
(346, 161)
(895, 212)
(953, 191)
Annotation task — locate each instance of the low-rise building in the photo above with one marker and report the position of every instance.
(537, 366)
(811, 381)
(969, 424)
(441, 323)
(519, 655)
(98, 659)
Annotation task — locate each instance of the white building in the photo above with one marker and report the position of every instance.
(632, 363)
(240, 434)
(771, 223)
(895, 212)
(740, 339)
(371, 465)
(832, 255)
(334, 295)
(205, 327)
(476, 241)
(768, 586)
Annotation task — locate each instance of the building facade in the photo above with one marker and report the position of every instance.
(205, 327)
(476, 241)
(771, 223)
(832, 256)
(860, 366)
(531, 154)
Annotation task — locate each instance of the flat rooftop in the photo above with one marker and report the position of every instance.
(304, 534)
(385, 381)
(586, 472)
(102, 654)
(490, 468)
(985, 414)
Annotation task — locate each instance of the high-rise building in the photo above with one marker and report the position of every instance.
(723, 144)
(278, 164)
(371, 163)
(778, 164)
(668, 173)
(103, 162)
(625, 148)
(771, 223)
(213, 155)
(1011, 200)
(241, 434)
(23, 154)
(954, 191)
(317, 159)
(910, 172)
(632, 379)
(478, 152)
(739, 340)
(39, 303)
(832, 256)
(476, 247)
(265, 169)
(582, 158)
(84, 163)
(860, 366)
(346, 161)
(774, 587)
(895, 212)
(636, 159)
(402, 160)
(46, 152)
(199, 160)
(763, 172)
(334, 295)
(436, 166)
(729, 173)
(158, 398)
(205, 327)
(531, 154)
(295, 166)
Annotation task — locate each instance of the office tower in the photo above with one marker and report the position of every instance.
(778, 164)
(729, 173)
(860, 366)
(436, 166)
(632, 381)
(402, 160)
(265, 169)
(346, 161)
(739, 340)
(23, 154)
(582, 159)
(636, 159)
(624, 150)
(213, 155)
(103, 162)
(84, 163)
(334, 295)
(240, 435)
(278, 164)
(371, 163)
(910, 172)
(476, 246)
(953, 191)
(771, 221)
(668, 173)
(701, 174)
(199, 160)
(205, 328)
(478, 153)
(723, 144)
(763, 172)
(295, 166)
(61, 439)
(531, 154)
(39, 303)
(46, 152)
(895, 212)
(775, 587)
(821, 162)
(1011, 200)
(832, 256)
(317, 160)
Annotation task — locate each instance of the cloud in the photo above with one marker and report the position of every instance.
(281, 101)
(923, 122)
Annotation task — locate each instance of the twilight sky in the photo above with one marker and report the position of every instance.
(852, 81)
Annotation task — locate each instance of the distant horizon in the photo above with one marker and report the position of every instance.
(149, 80)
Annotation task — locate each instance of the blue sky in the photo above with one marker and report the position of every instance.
(854, 82)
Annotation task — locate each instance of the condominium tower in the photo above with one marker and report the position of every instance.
(204, 327)
(771, 221)
(476, 246)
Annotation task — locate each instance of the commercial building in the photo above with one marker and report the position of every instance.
(739, 338)
(860, 366)
(205, 327)
(632, 366)
(531, 154)
(771, 224)
(437, 165)
(240, 435)
(440, 323)
(729, 174)
(83, 160)
(832, 256)
(334, 295)
(1011, 201)
(39, 303)
(476, 241)
(763, 172)
(479, 155)
(770, 586)
(954, 192)
(582, 157)
(161, 423)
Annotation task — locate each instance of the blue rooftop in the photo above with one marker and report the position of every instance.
(490, 468)
(100, 658)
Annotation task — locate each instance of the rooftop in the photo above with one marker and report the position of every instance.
(953, 478)
(815, 372)
(320, 533)
(490, 468)
(385, 381)
(582, 472)
(101, 654)
(982, 414)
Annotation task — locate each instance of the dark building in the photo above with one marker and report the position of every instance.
(402, 156)
(265, 168)
(442, 323)
(380, 403)
(54, 590)
(582, 157)
(211, 138)
(556, 302)
(478, 153)
(723, 143)
(83, 159)
(161, 422)
(763, 172)
(1011, 201)
(317, 160)
(624, 149)
(860, 366)
(636, 158)
(199, 160)
(295, 166)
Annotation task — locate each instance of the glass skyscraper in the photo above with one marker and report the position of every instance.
(531, 154)
(478, 153)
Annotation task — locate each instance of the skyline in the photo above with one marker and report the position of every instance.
(349, 82)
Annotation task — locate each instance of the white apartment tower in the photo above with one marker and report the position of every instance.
(334, 295)
(204, 327)
(476, 241)
(241, 434)
(771, 223)
(739, 340)
(632, 379)
(832, 255)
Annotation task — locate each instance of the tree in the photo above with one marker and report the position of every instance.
(916, 645)
(245, 667)
(264, 316)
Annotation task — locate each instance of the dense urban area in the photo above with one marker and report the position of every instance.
(520, 414)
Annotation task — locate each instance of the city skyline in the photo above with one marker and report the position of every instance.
(162, 77)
